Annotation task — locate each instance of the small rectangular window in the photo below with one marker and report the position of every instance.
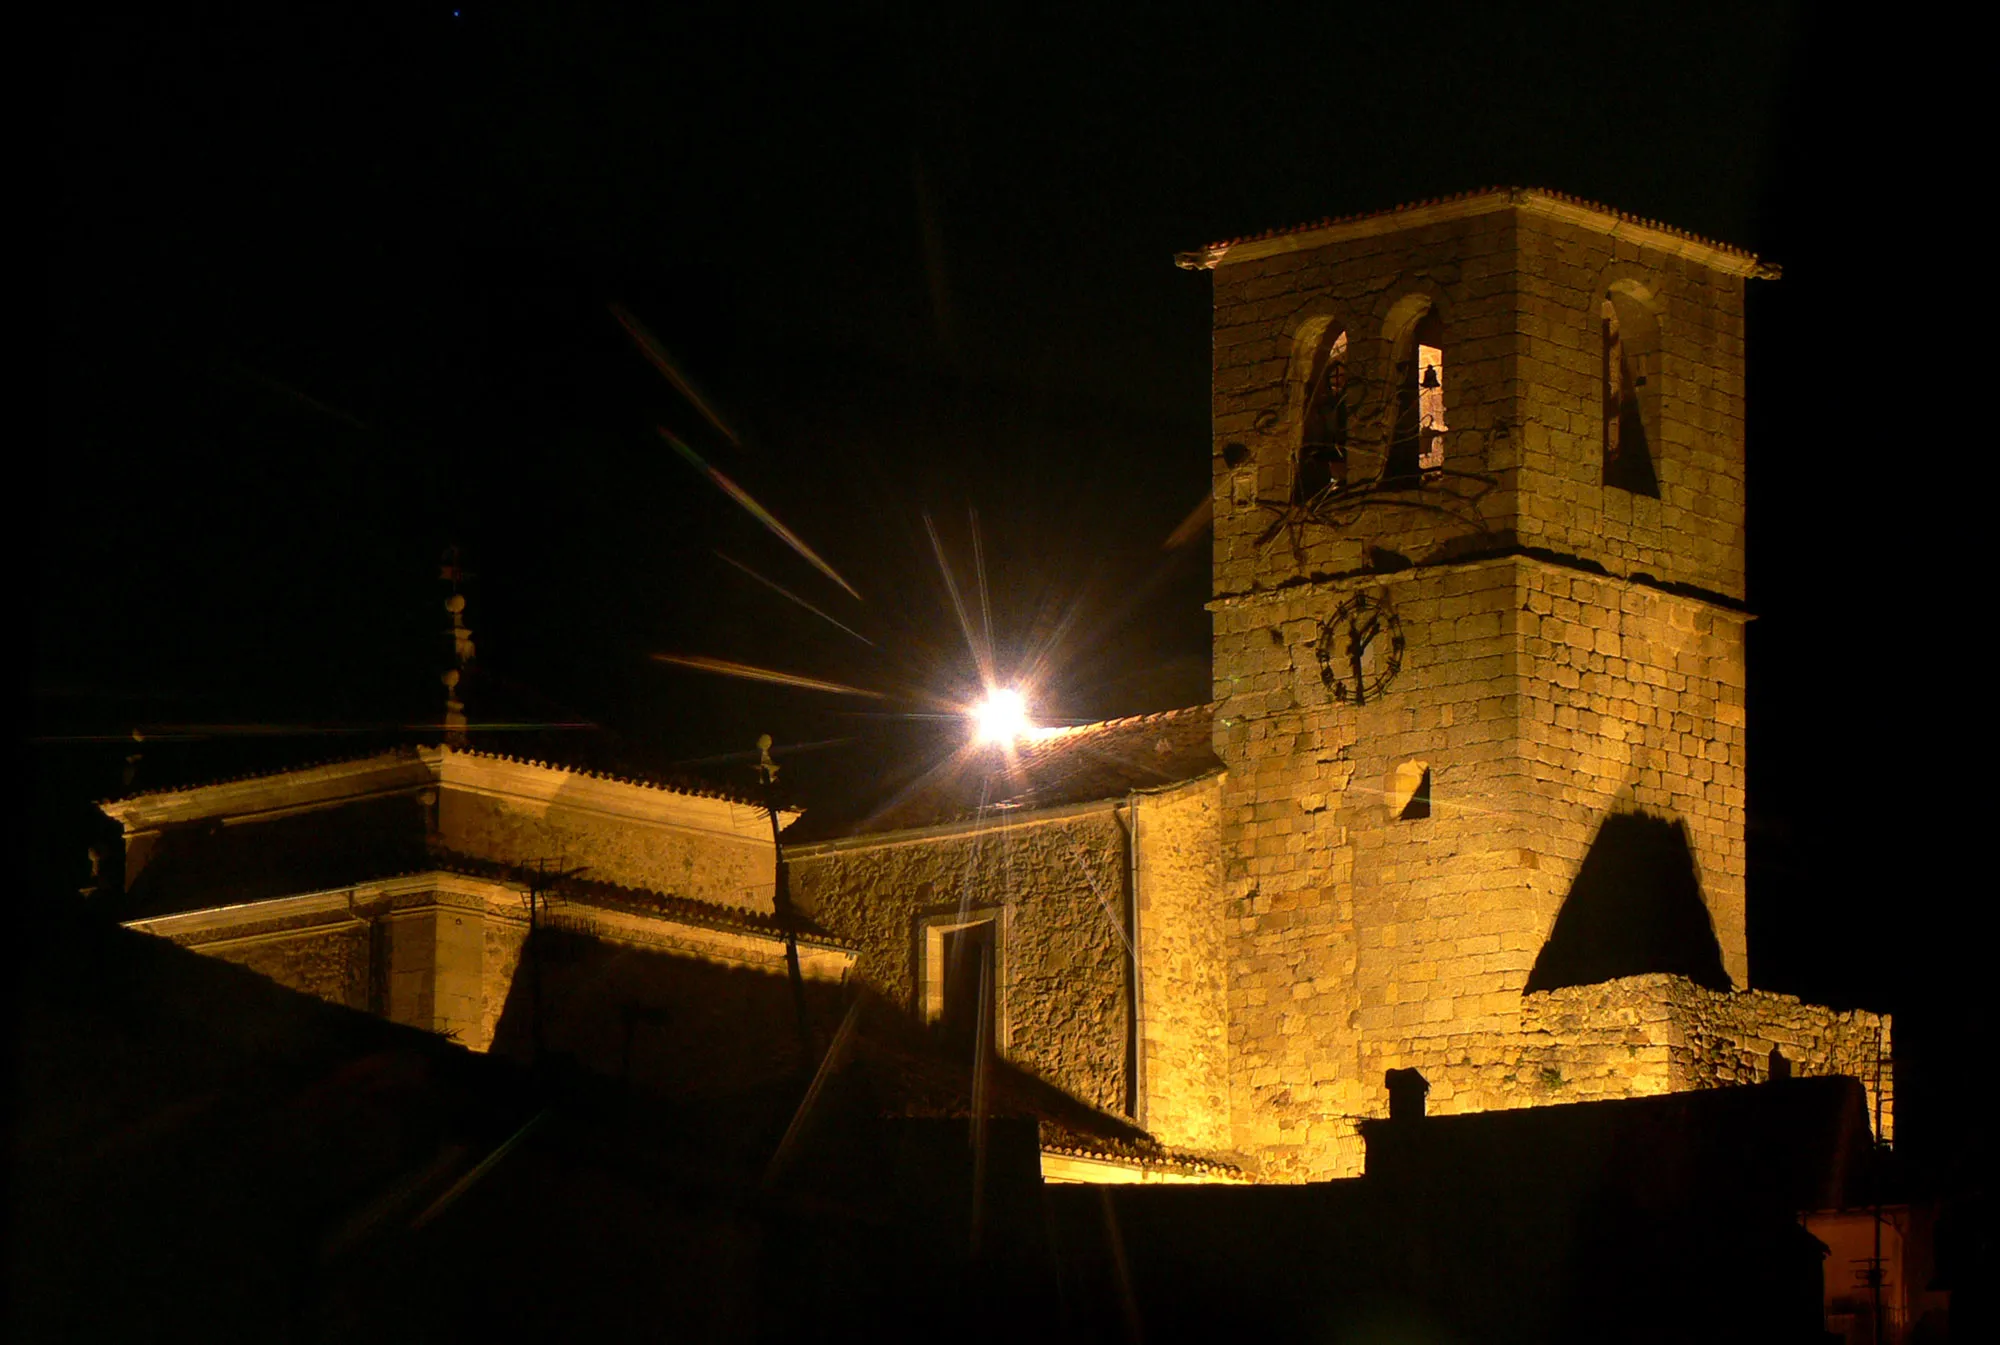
(1409, 792)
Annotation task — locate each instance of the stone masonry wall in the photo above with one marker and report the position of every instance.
(1062, 885)
(1184, 1029)
(504, 939)
(328, 962)
(725, 872)
(1265, 309)
(1693, 532)
(1633, 700)
(1639, 1036)
(1541, 700)
(1354, 933)
(1519, 298)
(1541, 693)
(1590, 1034)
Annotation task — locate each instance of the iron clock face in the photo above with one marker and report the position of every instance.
(1360, 649)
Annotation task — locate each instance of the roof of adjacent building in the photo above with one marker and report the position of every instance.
(1056, 768)
(1412, 214)
(1801, 1142)
(637, 778)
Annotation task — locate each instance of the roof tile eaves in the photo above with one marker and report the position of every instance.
(666, 784)
(1162, 1157)
(1329, 221)
(663, 784)
(1076, 732)
(217, 781)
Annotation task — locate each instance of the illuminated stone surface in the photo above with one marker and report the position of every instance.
(1572, 651)
(1226, 923)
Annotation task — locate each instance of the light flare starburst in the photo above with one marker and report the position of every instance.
(1001, 720)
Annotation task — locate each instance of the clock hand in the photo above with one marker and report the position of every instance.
(1358, 638)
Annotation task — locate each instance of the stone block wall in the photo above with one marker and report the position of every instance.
(1519, 295)
(328, 962)
(1060, 881)
(1693, 532)
(625, 852)
(1266, 308)
(1633, 700)
(1540, 699)
(1353, 931)
(1692, 1037)
(1184, 1010)
(504, 938)
(1638, 1036)
(1557, 667)
(434, 978)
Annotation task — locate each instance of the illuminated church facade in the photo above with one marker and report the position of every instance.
(1462, 827)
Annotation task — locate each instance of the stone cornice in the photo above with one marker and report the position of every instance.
(302, 909)
(279, 917)
(404, 772)
(282, 791)
(1354, 579)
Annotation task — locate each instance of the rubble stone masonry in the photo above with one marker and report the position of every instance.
(1057, 882)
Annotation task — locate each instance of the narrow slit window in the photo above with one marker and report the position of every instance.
(1629, 355)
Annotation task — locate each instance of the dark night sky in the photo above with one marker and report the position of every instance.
(328, 294)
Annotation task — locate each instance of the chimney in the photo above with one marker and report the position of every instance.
(1407, 1090)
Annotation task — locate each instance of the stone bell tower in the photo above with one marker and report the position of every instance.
(1479, 582)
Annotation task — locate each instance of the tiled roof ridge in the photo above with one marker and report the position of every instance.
(665, 783)
(1080, 1146)
(215, 782)
(670, 784)
(1070, 732)
(1328, 221)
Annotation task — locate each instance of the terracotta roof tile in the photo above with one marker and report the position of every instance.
(1084, 764)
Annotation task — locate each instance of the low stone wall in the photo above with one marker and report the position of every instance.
(1637, 1036)
(1704, 1038)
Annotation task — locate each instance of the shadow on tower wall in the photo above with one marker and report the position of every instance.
(1635, 908)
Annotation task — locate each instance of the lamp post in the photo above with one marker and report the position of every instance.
(781, 899)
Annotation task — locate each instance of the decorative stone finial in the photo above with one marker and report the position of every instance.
(462, 649)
